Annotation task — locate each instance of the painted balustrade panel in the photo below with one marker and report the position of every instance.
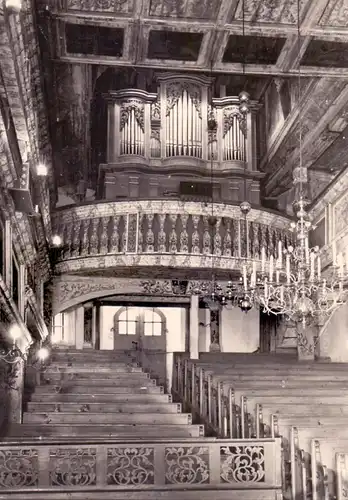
(197, 463)
(172, 231)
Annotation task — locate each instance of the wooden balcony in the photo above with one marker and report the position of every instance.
(178, 469)
(165, 234)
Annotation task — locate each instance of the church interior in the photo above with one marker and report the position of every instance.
(173, 249)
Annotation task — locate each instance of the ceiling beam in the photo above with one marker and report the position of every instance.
(308, 146)
(219, 67)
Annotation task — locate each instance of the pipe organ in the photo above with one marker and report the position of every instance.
(180, 120)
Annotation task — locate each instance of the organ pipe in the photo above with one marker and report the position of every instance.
(132, 135)
(184, 128)
(181, 128)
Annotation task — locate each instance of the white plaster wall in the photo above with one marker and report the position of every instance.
(239, 331)
(335, 336)
(106, 325)
(69, 336)
(73, 329)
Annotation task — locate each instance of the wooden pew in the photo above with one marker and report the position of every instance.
(342, 475)
(238, 395)
(312, 472)
(324, 475)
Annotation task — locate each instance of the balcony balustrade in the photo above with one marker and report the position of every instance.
(165, 233)
(198, 464)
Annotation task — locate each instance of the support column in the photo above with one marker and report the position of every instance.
(215, 331)
(194, 327)
(322, 350)
(306, 341)
(79, 330)
(94, 326)
(15, 386)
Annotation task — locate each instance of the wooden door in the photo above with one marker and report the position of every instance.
(141, 331)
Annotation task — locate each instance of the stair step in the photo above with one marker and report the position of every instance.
(85, 398)
(123, 408)
(108, 418)
(76, 374)
(82, 389)
(107, 430)
(70, 351)
(95, 367)
(67, 381)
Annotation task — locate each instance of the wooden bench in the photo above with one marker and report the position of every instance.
(342, 475)
(323, 462)
(242, 396)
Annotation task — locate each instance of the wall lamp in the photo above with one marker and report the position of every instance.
(13, 6)
(13, 354)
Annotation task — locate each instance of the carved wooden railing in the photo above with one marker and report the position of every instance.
(169, 233)
(140, 465)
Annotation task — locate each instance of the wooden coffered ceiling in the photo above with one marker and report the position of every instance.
(199, 34)
(205, 36)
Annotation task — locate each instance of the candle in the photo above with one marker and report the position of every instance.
(245, 281)
(266, 289)
(253, 275)
(334, 253)
(277, 276)
(319, 267)
(311, 275)
(307, 250)
(280, 257)
(340, 264)
(282, 293)
(288, 268)
(271, 268)
(263, 259)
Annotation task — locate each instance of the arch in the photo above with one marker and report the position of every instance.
(121, 316)
(123, 325)
(142, 326)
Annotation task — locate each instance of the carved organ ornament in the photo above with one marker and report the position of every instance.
(178, 121)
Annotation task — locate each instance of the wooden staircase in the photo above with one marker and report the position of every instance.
(96, 426)
(95, 394)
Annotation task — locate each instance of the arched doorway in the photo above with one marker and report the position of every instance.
(142, 332)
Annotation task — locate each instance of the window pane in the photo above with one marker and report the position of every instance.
(132, 313)
(148, 315)
(122, 327)
(58, 320)
(157, 329)
(123, 316)
(131, 327)
(148, 329)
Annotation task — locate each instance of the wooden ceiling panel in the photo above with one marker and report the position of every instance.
(335, 14)
(101, 6)
(270, 11)
(218, 25)
(192, 9)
